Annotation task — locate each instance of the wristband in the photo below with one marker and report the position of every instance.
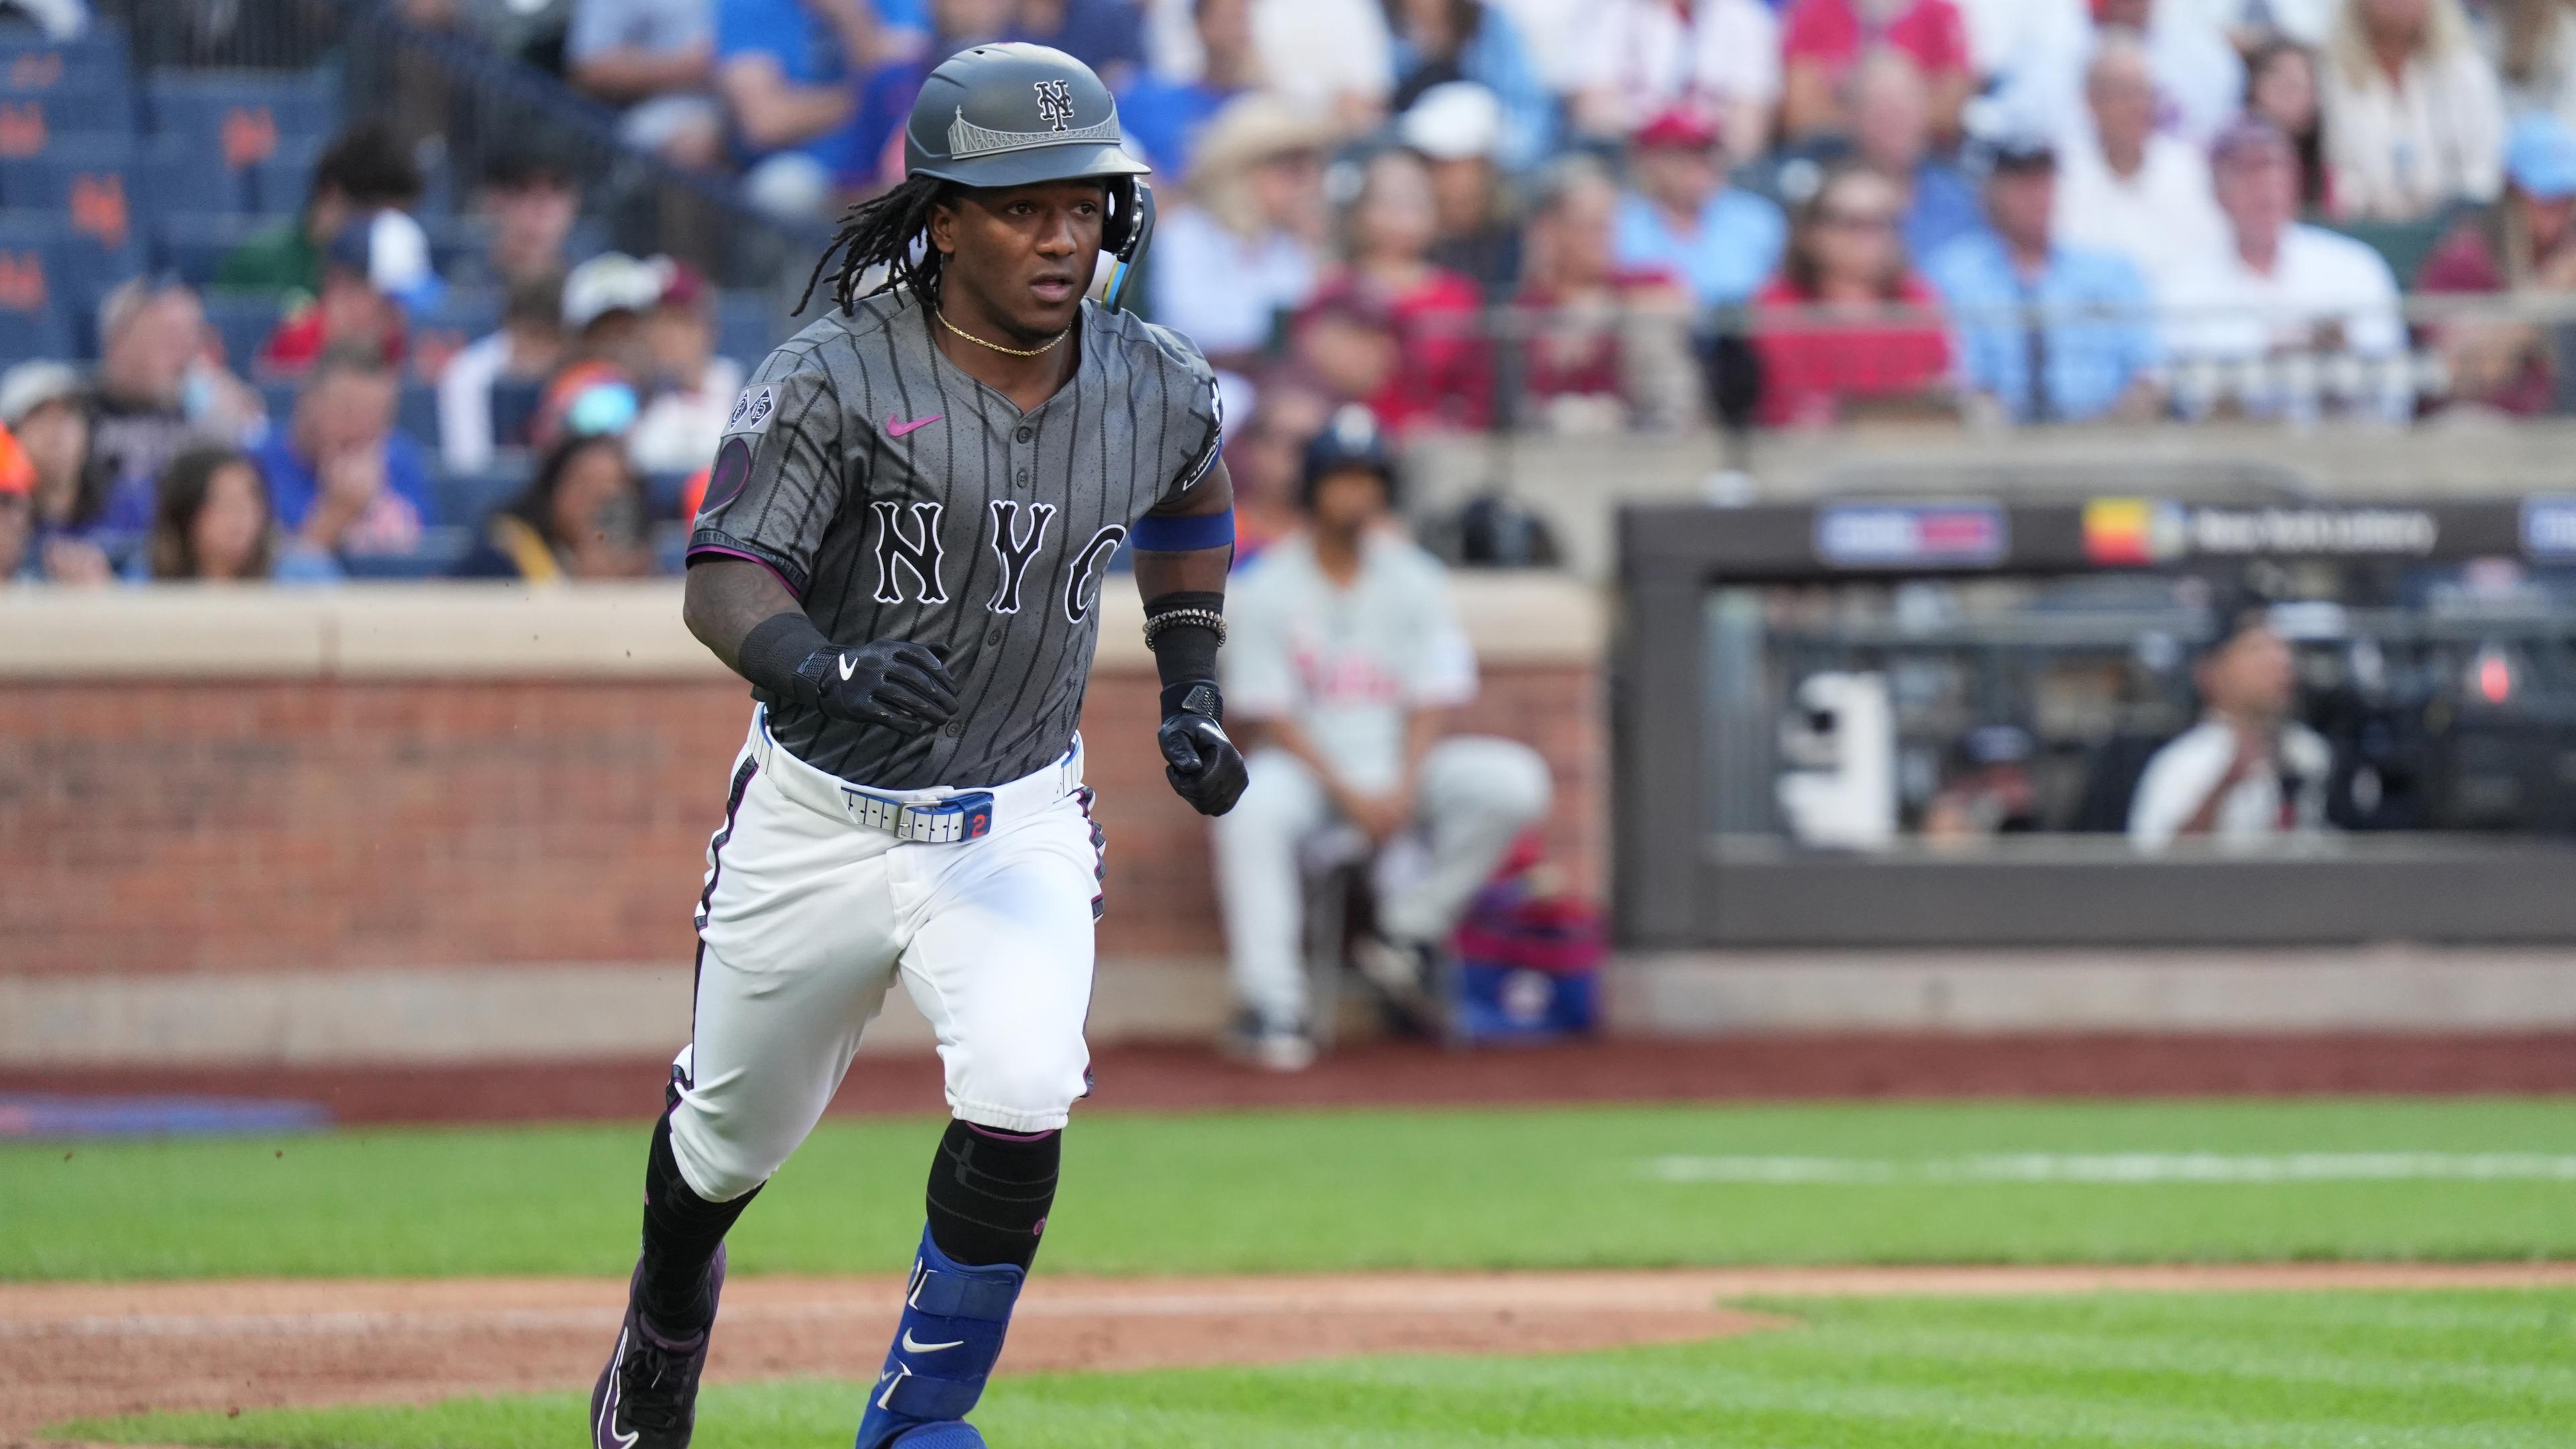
(775, 649)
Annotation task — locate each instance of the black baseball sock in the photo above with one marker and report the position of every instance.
(990, 1192)
(681, 1234)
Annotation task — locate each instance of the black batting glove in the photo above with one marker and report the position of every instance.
(1203, 765)
(895, 683)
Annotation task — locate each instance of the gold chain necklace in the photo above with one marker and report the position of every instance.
(1039, 351)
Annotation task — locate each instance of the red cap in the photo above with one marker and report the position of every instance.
(1679, 126)
(686, 288)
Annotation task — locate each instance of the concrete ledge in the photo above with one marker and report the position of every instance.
(605, 631)
(2392, 988)
(468, 1014)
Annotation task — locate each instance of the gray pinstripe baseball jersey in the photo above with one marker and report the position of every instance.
(899, 498)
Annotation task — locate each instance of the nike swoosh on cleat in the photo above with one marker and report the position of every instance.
(896, 429)
(608, 1406)
(911, 1347)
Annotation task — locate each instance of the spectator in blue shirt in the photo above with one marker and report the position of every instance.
(1684, 219)
(340, 477)
(1163, 118)
(1891, 111)
(786, 71)
(1438, 41)
(1106, 35)
(2046, 332)
(874, 157)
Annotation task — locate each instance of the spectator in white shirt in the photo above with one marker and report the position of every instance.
(2029, 57)
(2200, 79)
(527, 349)
(1629, 61)
(2278, 289)
(1333, 56)
(2414, 117)
(2123, 187)
(1246, 247)
(2247, 774)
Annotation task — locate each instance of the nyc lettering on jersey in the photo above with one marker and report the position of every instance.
(909, 551)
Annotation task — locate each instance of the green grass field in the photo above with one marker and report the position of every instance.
(1295, 1192)
(2444, 1371)
(1574, 1187)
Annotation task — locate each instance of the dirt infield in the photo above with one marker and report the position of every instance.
(1189, 1077)
(81, 1349)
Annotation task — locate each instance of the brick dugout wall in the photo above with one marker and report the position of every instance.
(263, 823)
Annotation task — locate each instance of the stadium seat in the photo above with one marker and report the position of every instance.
(176, 178)
(79, 267)
(93, 187)
(466, 499)
(42, 68)
(246, 113)
(194, 244)
(278, 185)
(243, 320)
(749, 324)
(32, 125)
(35, 306)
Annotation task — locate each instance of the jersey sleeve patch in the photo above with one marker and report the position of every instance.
(725, 480)
(752, 411)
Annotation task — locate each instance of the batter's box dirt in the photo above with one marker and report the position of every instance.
(71, 1350)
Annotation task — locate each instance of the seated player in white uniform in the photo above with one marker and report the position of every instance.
(1343, 659)
(2247, 773)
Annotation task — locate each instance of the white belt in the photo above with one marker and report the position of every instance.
(936, 816)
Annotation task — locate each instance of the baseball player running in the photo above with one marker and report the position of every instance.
(902, 549)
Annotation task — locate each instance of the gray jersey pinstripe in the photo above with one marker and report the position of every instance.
(900, 498)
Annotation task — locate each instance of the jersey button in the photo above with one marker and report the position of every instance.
(1025, 435)
(993, 635)
(955, 728)
(1024, 477)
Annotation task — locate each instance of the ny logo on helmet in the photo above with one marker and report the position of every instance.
(1055, 104)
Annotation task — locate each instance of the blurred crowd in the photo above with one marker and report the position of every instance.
(1563, 215)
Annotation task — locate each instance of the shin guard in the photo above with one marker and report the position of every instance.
(954, 1318)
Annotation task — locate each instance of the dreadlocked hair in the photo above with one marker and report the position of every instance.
(890, 230)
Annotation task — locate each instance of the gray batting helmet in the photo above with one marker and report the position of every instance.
(1008, 115)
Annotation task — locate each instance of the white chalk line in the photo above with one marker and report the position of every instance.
(2121, 1167)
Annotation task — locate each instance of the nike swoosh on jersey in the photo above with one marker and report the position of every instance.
(895, 429)
(911, 1347)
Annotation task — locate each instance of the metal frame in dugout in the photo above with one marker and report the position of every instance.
(2437, 655)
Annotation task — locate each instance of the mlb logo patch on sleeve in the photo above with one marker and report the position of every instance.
(752, 411)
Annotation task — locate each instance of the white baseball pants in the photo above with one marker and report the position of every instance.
(808, 917)
(1475, 797)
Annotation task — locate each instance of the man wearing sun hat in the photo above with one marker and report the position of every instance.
(1683, 217)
